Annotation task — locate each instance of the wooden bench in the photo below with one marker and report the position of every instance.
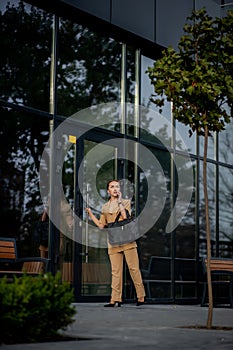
(67, 272)
(96, 277)
(221, 274)
(11, 264)
(97, 273)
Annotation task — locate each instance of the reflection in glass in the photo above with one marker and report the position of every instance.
(147, 89)
(226, 6)
(25, 64)
(130, 74)
(95, 262)
(226, 145)
(182, 133)
(67, 242)
(186, 231)
(131, 87)
(155, 128)
(211, 146)
(225, 211)
(89, 71)
(157, 241)
(211, 175)
(161, 124)
(93, 69)
(23, 142)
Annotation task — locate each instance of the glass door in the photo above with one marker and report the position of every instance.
(67, 230)
(83, 254)
(99, 165)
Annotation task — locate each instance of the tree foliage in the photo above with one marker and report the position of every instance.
(198, 77)
(34, 309)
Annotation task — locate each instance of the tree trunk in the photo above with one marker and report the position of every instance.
(208, 238)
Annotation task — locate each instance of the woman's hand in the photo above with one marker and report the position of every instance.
(121, 206)
(88, 210)
(93, 218)
(119, 197)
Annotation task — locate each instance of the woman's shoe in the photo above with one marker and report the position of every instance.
(139, 303)
(117, 303)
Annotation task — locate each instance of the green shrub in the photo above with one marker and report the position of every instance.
(34, 308)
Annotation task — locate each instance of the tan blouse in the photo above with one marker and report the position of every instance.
(110, 210)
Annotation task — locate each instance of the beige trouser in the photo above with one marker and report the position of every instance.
(43, 251)
(116, 259)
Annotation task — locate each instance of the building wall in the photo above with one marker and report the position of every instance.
(159, 21)
(95, 67)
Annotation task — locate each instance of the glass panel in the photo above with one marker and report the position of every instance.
(24, 140)
(182, 133)
(226, 6)
(89, 71)
(211, 146)
(185, 276)
(185, 290)
(157, 278)
(130, 74)
(96, 275)
(185, 271)
(154, 126)
(211, 175)
(132, 91)
(186, 231)
(157, 242)
(26, 34)
(147, 90)
(225, 212)
(66, 248)
(226, 145)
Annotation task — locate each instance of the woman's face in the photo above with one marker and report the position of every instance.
(114, 189)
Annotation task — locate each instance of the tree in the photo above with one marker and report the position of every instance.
(198, 80)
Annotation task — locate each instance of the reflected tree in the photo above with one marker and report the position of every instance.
(89, 72)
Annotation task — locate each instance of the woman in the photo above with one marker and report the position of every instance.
(109, 213)
(66, 226)
(43, 248)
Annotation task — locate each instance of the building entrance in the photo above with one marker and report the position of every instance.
(84, 258)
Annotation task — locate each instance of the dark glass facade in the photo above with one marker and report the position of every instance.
(53, 68)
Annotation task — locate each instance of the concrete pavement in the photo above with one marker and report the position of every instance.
(146, 327)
